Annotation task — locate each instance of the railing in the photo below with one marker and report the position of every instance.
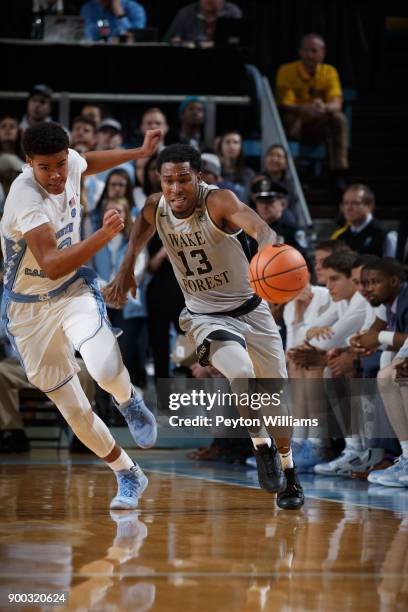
(64, 99)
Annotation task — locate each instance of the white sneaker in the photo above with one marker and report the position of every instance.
(390, 476)
(342, 466)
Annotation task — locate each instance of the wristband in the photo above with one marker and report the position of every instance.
(386, 337)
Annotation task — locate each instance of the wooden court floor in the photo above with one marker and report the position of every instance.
(193, 545)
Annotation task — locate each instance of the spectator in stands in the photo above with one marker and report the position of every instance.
(83, 139)
(94, 112)
(211, 171)
(165, 302)
(132, 317)
(152, 118)
(191, 114)
(150, 184)
(118, 185)
(110, 136)
(270, 202)
(117, 16)
(197, 22)
(10, 168)
(363, 233)
(276, 167)
(234, 170)
(310, 98)
(10, 138)
(83, 134)
(38, 106)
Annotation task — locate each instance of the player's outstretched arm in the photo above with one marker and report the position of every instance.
(115, 293)
(98, 161)
(56, 262)
(230, 214)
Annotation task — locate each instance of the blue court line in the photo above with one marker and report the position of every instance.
(334, 489)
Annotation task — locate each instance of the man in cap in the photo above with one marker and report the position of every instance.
(38, 106)
(110, 136)
(270, 200)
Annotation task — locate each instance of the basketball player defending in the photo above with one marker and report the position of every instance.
(201, 229)
(52, 305)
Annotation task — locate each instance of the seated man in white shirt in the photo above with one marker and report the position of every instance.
(317, 349)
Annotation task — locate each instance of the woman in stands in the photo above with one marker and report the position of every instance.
(231, 154)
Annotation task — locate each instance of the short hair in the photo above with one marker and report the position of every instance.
(365, 260)
(333, 246)
(368, 194)
(45, 138)
(83, 119)
(312, 35)
(388, 266)
(342, 262)
(178, 154)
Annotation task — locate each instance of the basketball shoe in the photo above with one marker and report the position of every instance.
(131, 484)
(342, 466)
(270, 473)
(391, 476)
(307, 455)
(292, 497)
(141, 422)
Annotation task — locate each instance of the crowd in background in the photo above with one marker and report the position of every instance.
(357, 290)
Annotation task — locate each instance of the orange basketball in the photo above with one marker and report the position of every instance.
(278, 273)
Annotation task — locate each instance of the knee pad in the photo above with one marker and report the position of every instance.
(219, 335)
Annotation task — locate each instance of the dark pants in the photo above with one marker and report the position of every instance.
(159, 337)
(133, 344)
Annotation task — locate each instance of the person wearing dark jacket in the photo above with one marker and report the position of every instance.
(363, 233)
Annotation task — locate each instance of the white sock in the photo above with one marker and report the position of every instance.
(123, 462)
(259, 441)
(286, 460)
(354, 443)
(404, 447)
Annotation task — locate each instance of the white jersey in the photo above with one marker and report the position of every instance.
(29, 205)
(210, 265)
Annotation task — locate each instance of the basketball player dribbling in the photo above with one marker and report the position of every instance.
(232, 328)
(52, 305)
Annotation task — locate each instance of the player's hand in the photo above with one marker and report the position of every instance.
(116, 292)
(150, 143)
(112, 224)
(401, 369)
(340, 362)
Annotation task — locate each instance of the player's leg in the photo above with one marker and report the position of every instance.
(74, 406)
(266, 351)
(85, 326)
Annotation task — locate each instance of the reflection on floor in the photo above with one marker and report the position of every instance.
(196, 543)
(354, 492)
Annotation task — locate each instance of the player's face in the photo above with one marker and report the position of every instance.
(179, 183)
(321, 273)
(275, 161)
(51, 171)
(380, 288)
(8, 130)
(312, 52)
(339, 285)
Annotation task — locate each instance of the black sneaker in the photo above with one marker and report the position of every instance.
(270, 473)
(292, 497)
